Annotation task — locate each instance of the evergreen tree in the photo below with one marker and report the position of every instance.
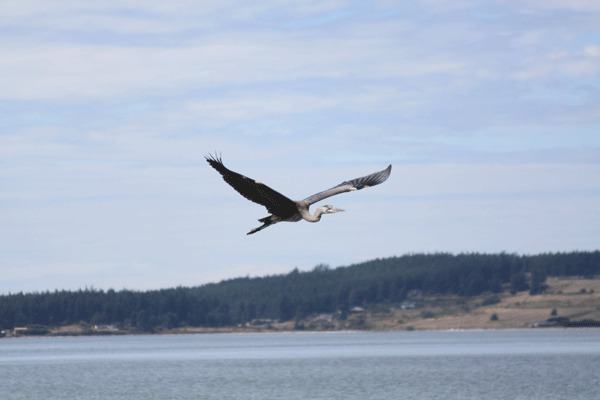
(538, 279)
(518, 282)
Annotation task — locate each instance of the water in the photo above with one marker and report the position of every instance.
(518, 364)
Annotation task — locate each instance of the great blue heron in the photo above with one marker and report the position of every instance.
(283, 208)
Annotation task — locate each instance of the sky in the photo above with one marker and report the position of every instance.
(489, 112)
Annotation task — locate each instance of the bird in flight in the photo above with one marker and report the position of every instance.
(283, 208)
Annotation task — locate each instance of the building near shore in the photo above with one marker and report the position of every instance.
(20, 330)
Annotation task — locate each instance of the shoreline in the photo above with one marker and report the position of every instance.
(211, 331)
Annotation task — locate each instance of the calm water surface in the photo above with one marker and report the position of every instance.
(518, 364)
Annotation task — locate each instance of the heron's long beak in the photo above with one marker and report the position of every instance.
(339, 209)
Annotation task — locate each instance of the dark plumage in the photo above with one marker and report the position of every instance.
(281, 207)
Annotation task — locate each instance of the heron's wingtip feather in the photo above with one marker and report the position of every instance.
(214, 160)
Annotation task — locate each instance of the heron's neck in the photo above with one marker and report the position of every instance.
(316, 217)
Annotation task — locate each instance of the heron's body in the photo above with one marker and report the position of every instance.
(283, 208)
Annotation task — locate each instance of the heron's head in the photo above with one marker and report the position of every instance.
(329, 209)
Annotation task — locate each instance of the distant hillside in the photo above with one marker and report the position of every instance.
(298, 294)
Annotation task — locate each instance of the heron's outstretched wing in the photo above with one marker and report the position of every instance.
(348, 186)
(257, 192)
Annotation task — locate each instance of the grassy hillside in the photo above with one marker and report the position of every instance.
(574, 298)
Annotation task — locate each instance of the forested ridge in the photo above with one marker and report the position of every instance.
(297, 294)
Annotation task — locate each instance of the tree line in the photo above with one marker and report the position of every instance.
(297, 294)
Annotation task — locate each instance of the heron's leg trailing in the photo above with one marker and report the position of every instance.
(260, 228)
(267, 221)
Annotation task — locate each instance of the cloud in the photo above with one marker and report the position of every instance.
(584, 64)
(149, 17)
(591, 51)
(487, 111)
(65, 71)
(571, 5)
(49, 64)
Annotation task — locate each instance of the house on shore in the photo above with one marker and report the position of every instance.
(20, 331)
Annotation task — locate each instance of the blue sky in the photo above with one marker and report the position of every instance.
(488, 111)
